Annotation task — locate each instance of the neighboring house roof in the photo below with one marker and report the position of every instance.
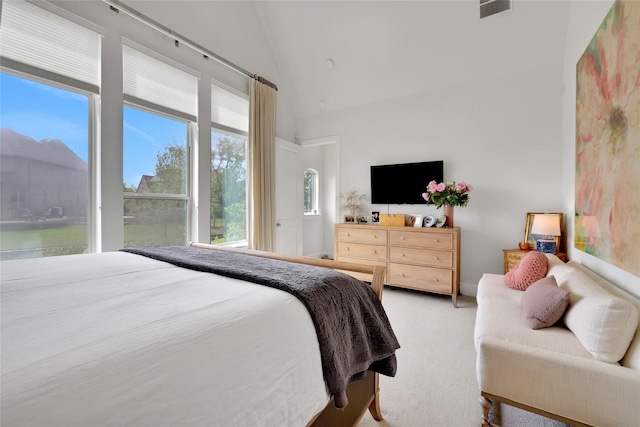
(143, 186)
(51, 151)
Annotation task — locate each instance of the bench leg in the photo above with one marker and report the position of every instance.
(486, 406)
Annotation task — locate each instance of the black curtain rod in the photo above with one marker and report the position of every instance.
(117, 5)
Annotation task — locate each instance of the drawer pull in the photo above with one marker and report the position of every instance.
(435, 279)
(402, 254)
(374, 252)
(436, 240)
(348, 249)
(348, 235)
(436, 258)
(401, 237)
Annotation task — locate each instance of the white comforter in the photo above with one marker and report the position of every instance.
(120, 339)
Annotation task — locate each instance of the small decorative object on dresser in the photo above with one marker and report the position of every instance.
(352, 203)
(429, 221)
(513, 256)
(448, 194)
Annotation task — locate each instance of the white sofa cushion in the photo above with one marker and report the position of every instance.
(604, 323)
(556, 267)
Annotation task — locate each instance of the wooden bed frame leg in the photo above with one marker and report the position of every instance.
(374, 407)
(486, 406)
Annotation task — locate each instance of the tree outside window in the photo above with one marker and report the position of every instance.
(228, 187)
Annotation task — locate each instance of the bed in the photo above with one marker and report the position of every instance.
(147, 338)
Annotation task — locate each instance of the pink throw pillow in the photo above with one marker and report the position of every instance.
(544, 303)
(531, 268)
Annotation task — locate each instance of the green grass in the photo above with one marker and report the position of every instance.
(136, 235)
(73, 235)
(73, 239)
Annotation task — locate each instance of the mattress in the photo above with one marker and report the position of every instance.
(121, 339)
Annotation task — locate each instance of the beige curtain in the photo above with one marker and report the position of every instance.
(262, 136)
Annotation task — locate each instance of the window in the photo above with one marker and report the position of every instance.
(44, 169)
(310, 192)
(50, 79)
(159, 124)
(228, 187)
(155, 179)
(229, 150)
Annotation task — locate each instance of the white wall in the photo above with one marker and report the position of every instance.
(502, 136)
(313, 233)
(321, 154)
(512, 138)
(586, 18)
(330, 185)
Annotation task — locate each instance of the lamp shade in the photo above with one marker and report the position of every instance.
(546, 225)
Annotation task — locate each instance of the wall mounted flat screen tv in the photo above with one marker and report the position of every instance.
(403, 183)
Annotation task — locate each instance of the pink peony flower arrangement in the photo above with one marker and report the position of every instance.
(450, 193)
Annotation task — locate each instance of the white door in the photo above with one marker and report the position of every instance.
(289, 206)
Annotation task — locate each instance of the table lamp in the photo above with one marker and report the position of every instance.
(548, 226)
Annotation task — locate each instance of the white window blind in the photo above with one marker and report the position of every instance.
(36, 37)
(229, 109)
(159, 83)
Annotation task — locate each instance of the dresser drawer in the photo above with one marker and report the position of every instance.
(361, 261)
(422, 278)
(514, 257)
(428, 257)
(359, 250)
(422, 240)
(363, 235)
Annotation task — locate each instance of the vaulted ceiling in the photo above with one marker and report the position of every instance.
(380, 49)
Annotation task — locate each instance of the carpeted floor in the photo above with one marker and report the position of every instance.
(436, 381)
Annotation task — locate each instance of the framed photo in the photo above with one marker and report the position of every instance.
(531, 239)
(362, 219)
(349, 218)
(417, 220)
(375, 217)
(429, 221)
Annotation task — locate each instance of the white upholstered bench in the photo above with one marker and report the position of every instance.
(583, 370)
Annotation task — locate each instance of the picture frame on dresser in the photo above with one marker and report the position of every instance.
(531, 238)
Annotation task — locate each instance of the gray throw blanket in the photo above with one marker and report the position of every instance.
(352, 327)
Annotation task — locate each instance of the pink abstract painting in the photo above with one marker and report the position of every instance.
(607, 221)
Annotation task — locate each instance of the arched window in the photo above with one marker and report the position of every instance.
(311, 192)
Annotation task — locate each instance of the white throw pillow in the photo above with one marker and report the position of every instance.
(604, 323)
(556, 267)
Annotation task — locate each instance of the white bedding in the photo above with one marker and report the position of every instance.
(121, 339)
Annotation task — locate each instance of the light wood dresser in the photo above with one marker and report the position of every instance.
(425, 259)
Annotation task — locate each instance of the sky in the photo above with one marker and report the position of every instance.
(44, 112)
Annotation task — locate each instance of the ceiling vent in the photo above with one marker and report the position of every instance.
(491, 7)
